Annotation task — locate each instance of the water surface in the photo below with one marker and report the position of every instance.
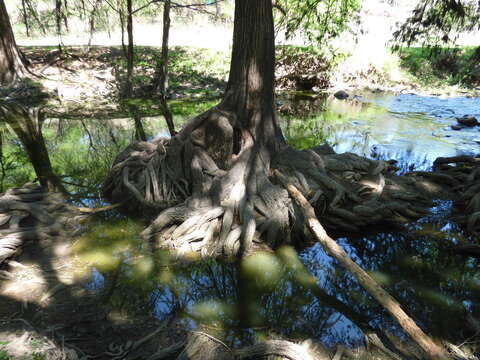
(294, 294)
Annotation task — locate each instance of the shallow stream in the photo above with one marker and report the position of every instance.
(295, 294)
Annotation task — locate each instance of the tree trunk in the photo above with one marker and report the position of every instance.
(65, 15)
(163, 76)
(12, 64)
(58, 16)
(139, 130)
(130, 54)
(91, 21)
(214, 176)
(33, 13)
(27, 125)
(122, 28)
(25, 19)
(250, 88)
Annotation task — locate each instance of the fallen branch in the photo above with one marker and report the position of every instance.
(85, 210)
(431, 349)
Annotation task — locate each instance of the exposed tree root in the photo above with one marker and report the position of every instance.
(202, 346)
(464, 172)
(30, 214)
(431, 349)
(219, 200)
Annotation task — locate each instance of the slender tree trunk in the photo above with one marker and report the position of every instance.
(65, 15)
(130, 50)
(140, 134)
(218, 9)
(122, 28)
(58, 16)
(33, 13)
(25, 18)
(163, 78)
(58, 22)
(12, 64)
(92, 21)
(83, 13)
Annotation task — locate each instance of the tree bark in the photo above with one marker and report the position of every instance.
(12, 64)
(25, 19)
(163, 78)
(130, 51)
(250, 88)
(58, 16)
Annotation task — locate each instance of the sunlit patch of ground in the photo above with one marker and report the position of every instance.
(47, 312)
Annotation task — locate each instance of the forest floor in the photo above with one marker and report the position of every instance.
(46, 312)
(86, 83)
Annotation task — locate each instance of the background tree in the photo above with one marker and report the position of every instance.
(436, 22)
(436, 26)
(13, 64)
(317, 20)
(163, 67)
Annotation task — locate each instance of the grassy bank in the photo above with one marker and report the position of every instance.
(441, 67)
(88, 82)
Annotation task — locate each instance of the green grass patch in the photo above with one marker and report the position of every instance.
(438, 67)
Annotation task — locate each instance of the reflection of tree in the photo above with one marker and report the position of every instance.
(286, 299)
(80, 152)
(209, 296)
(438, 289)
(27, 124)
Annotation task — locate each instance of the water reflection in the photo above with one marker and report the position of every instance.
(412, 129)
(290, 295)
(26, 123)
(265, 295)
(70, 155)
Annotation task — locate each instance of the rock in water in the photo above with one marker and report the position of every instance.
(341, 95)
(468, 120)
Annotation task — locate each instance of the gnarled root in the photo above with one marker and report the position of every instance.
(202, 346)
(30, 213)
(349, 192)
(143, 176)
(463, 173)
(220, 200)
